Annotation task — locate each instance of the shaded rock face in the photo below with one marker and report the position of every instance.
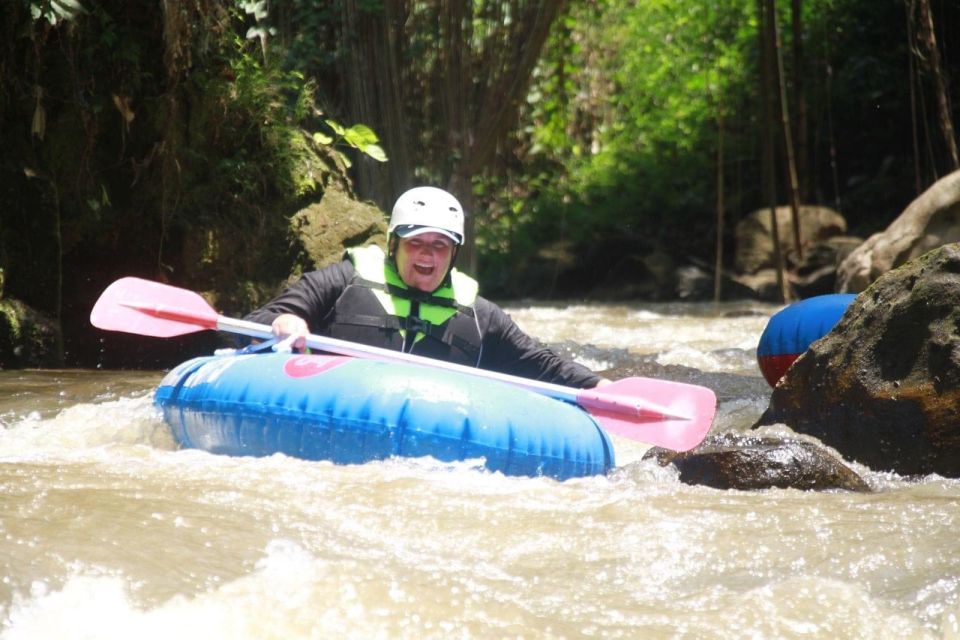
(337, 222)
(754, 238)
(930, 221)
(694, 283)
(816, 274)
(883, 387)
(732, 461)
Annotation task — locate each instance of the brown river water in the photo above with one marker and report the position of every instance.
(107, 530)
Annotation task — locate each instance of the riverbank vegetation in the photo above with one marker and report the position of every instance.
(176, 140)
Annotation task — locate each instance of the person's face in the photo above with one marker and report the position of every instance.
(423, 260)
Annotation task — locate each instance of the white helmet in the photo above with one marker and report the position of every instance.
(424, 210)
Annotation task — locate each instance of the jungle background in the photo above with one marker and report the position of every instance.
(181, 140)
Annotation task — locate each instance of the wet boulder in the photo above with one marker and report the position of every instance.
(883, 387)
(736, 461)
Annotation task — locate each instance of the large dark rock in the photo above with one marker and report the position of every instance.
(27, 337)
(883, 387)
(731, 461)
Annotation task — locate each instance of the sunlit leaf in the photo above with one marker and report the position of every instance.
(55, 11)
(256, 8)
(376, 152)
(360, 136)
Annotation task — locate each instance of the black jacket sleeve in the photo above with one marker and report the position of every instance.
(507, 349)
(312, 297)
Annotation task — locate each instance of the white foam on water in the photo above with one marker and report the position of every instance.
(710, 340)
(126, 421)
(287, 595)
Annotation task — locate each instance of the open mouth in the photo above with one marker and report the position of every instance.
(424, 270)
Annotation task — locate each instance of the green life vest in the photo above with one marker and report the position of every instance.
(379, 309)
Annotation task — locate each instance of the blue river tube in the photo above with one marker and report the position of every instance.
(351, 410)
(790, 331)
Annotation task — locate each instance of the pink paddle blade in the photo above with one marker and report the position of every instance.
(133, 305)
(667, 414)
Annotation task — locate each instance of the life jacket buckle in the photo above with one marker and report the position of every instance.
(417, 325)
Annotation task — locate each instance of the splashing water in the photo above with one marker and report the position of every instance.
(108, 531)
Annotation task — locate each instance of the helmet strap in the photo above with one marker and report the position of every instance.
(392, 244)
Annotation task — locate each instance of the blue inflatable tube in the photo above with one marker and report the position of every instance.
(790, 331)
(349, 411)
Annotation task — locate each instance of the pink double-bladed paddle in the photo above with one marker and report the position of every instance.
(663, 413)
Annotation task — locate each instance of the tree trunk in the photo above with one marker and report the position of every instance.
(718, 270)
(912, 80)
(800, 102)
(791, 166)
(372, 41)
(442, 86)
(929, 39)
(831, 133)
(495, 106)
(769, 173)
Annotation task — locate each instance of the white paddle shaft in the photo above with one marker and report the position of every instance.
(601, 401)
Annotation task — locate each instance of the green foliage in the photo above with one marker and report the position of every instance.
(257, 126)
(618, 147)
(681, 66)
(280, 138)
(860, 49)
(232, 115)
(619, 142)
(678, 61)
(271, 133)
(309, 41)
(359, 137)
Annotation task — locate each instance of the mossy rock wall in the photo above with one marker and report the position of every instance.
(338, 221)
(28, 339)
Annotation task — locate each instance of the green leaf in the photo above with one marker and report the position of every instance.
(322, 138)
(376, 152)
(337, 128)
(360, 136)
